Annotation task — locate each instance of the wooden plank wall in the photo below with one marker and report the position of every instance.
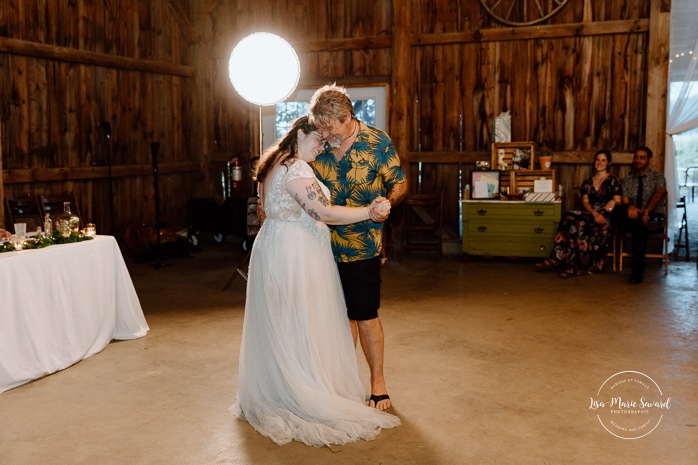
(573, 85)
(158, 71)
(74, 73)
(566, 88)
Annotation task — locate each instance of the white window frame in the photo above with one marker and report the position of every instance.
(377, 92)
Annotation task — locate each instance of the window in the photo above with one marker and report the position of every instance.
(685, 143)
(686, 146)
(369, 106)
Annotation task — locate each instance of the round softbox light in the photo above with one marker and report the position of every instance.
(264, 68)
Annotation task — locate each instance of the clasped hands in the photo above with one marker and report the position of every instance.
(635, 213)
(379, 209)
(599, 218)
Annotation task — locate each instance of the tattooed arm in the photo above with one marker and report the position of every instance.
(397, 193)
(309, 195)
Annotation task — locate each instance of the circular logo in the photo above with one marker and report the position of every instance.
(630, 405)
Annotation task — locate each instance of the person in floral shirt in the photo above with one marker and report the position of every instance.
(359, 164)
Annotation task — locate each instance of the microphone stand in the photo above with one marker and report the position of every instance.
(107, 132)
(154, 148)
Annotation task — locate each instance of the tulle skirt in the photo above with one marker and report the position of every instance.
(298, 374)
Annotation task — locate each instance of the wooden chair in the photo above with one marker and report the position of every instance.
(421, 226)
(613, 253)
(23, 209)
(53, 204)
(663, 253)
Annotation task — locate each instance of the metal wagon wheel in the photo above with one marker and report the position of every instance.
(522, 12)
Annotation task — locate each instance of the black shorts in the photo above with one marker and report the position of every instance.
(361, 283)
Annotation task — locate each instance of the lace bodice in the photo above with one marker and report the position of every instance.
(279, 204)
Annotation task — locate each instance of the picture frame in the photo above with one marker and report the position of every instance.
(513, 156)
(484, 185)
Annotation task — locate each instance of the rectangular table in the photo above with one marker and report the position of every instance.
(61, 304)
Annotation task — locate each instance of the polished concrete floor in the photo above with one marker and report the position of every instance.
(488, 362)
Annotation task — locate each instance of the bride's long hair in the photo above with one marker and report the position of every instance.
(284, 150)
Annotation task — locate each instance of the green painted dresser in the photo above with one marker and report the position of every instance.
(509, 228)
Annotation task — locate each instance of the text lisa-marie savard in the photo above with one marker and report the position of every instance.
(619, 403)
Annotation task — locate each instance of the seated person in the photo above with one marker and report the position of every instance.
(641, 212)
(582, 236)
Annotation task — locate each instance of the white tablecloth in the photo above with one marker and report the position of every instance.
(61, 304)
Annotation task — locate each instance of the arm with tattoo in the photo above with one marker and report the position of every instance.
(311, 212)
(394, 195)
(309, 195)
(397, 193)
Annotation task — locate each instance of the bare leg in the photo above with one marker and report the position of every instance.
(354, 331)
(372, 344)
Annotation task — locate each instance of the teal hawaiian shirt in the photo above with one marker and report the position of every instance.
(370, 167)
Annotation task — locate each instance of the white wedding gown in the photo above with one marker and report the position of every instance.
(298, 374)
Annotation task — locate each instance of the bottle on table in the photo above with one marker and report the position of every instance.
(48, 225)
(67, 222)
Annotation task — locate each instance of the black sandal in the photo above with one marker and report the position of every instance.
(377, 399)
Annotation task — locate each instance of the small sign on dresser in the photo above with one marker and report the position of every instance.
(540, 197)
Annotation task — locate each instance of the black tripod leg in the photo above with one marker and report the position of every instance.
(238, 271)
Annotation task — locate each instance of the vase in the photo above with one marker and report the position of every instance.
(66, 222)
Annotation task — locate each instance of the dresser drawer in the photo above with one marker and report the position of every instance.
(511, 210)
(533, 211)
(487, 210)
(514, 228)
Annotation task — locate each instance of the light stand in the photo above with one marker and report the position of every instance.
(264, 69)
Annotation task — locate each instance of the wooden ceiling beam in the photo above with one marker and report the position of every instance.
(52, 52)
(481, 35)
(74, 173)
(534, 32)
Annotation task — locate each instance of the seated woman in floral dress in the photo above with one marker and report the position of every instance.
(583, 236)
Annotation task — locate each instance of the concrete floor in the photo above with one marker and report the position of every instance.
(488, 362)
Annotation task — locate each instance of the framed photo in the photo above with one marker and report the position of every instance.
(485, 185)
(513, 156)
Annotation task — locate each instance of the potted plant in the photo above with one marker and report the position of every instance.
(545, 159)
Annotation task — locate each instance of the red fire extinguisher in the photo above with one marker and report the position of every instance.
(236, 175)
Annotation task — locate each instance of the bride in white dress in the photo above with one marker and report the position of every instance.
(298, 374)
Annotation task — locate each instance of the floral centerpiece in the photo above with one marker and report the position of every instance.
(41, 240)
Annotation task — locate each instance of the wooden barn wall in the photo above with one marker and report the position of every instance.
(566, 94)
(230, 123)
(568, 88)
(70, 71)
(581, 81)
